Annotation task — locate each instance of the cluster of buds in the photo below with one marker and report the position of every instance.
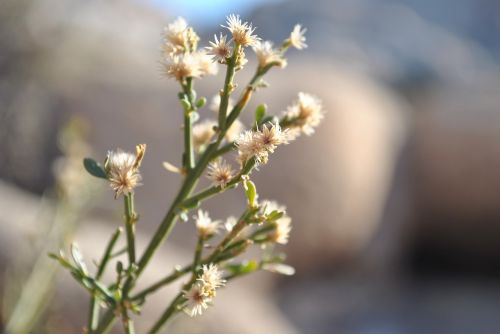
(203, 291)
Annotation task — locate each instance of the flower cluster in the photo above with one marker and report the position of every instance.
(122, 169)
(203, 290)
(259, 144)
(181, 58)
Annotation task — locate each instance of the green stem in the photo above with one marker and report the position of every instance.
(228, 87)
(197, 255)
(169, 279)
(94, 304)
(130, 220)
(188, 126)
(106, 323)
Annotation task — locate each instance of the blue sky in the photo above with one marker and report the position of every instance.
(208, 12)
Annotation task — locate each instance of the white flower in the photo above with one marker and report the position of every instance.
(297, 38)
(220, 173)
(258, 144)
(196, 300)
(205, 63)
(272, 136)
(267, 55)
(211, 279)
(220, 49)
(305, 114)
(203, 133)
(204, 224)
(242, 32)
(122, 169)
(175, 37)
(182, 66)
(249, 146)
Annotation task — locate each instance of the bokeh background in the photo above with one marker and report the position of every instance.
(395, 199)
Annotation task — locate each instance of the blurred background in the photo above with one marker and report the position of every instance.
(395, 200)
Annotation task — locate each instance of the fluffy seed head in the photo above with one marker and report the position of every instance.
(204, 224)
(241, 31)
(220, 173)
(297, 37)
(182, 66)
(205, 63)
(271, 136)
(267, 55)
(305, 114)
(211, 279)
(220, 49)
(196, 300)
(122, 169)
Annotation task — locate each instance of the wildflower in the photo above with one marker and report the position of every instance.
(182, 66)
(242, 32)
(205, 226)
(220, 173)
(258, 144)
(267, 55)
(249, 146)
(205, 63)
(272, 136)
(203, 132)
(122, 169)
(220, 49)
(196, 300)
(175, 37)
(211, 279)
(305, 114)
(297, 38)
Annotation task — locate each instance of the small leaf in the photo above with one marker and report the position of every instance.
(279, 268)
(94, 168)
(185, 105)
(274, 215)
(243, 268)
(251, 192)
(78, 258)
(201, 102)
(260, 112)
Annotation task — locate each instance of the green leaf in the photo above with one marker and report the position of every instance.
(245, 267)
(260, 112)
(201, 102)
(94, 168)
(185, 105)
(251, 192)
(275, 215)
